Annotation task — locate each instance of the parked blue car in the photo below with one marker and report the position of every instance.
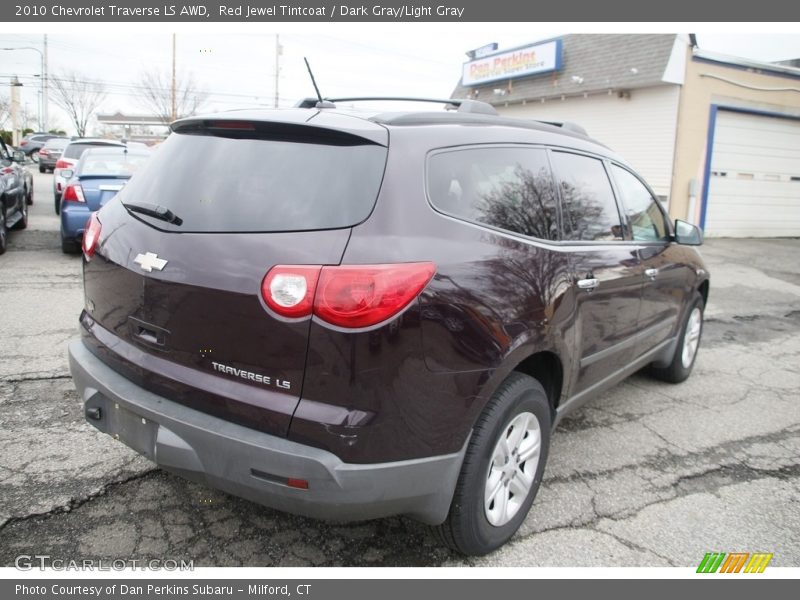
(97, 177)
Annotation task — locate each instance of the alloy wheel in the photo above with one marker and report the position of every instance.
(691, 338)
(515, 459)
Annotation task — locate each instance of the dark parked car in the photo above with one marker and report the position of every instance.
(100, 173)
(16, 193)
(33, 142)
(51, 152)
(352, 314)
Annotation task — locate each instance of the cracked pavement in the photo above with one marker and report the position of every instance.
(649, 474)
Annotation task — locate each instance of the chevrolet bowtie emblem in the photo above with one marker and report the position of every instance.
(149, 261)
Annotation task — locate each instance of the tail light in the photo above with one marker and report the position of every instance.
(62, 164)
(44, 152)
(91, 235)
(74, 193)
(349, 296)
(289, 291)
(23, 142)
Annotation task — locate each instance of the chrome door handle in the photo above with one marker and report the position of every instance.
(651, 273)
(587, 284)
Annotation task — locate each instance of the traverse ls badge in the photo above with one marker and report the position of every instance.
(149, 261)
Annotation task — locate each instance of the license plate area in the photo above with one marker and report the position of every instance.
(133, 430)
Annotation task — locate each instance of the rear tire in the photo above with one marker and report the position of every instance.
(42, 169)
(688, 345)
(69, 246)
(502, 468)
(23, 220)
(58, 204)
(3, 229)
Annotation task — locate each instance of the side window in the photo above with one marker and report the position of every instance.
(4, 155)
(588, 206)
(641, 209)
(507, 188)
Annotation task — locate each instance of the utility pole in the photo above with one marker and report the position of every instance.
(45, 98)
(42, 77)
(15, 128)
(278, 52)
(174, 97)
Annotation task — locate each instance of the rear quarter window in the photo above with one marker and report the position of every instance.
(503, 187)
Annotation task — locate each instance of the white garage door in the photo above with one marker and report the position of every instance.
(754, 184)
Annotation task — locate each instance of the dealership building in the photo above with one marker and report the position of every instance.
(716, 137)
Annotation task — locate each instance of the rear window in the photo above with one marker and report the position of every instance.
(121, 164)
(239, 184)
(77, 150)
(58, 143)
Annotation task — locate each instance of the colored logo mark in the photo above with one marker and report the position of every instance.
(734, 562)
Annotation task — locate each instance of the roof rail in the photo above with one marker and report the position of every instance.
(461, 105)
(567, 126)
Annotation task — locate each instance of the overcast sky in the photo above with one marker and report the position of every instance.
(237, 69)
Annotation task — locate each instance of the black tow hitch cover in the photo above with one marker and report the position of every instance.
(94, 413)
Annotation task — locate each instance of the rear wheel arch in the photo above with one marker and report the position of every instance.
(546, 368)
(703, 290)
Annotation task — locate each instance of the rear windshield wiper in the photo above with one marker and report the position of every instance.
(154, 210)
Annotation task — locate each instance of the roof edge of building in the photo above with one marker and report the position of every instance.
(738, 62)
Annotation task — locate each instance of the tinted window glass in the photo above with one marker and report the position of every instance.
(644, 215)
(508, 188)
(589, 208)
(3, 153)
(222, 184)
(76, 150)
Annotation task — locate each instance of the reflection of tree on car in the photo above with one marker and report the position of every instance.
(524, 204)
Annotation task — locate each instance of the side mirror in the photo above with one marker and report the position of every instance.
(67, 173)
(18, 156)
(688, 234)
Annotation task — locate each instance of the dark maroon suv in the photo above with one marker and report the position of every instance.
(351, 314)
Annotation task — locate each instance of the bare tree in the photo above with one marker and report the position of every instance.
(156, 95)
(5, 110)
(79, 97)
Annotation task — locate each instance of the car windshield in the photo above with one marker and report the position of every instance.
(117, 164)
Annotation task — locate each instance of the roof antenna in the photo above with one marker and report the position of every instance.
(322, 103)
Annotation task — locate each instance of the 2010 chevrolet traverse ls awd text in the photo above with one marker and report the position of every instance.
(350, 314)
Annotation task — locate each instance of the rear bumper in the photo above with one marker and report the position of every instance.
(74, 216)
(255, 465)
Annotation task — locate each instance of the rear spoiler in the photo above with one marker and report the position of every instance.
(330, 129)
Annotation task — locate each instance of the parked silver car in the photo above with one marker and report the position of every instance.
(51, 152)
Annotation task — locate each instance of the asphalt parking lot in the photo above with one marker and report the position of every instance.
(650, 474)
